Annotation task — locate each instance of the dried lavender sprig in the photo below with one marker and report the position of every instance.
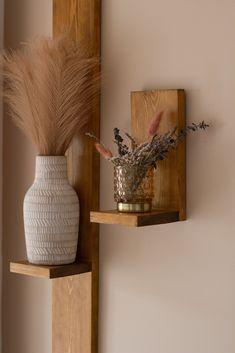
(194, 127)
(122, 148)
(133, 141)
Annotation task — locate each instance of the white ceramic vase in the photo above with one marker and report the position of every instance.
(51, 214)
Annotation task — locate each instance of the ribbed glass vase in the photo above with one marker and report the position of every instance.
(133, 188)
(51, 214)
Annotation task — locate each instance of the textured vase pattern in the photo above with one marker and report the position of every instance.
(132, 184)
(51, 214)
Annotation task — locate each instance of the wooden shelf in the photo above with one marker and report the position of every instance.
(134, 219)
(49, 272)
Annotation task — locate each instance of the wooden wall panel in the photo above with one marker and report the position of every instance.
(170, 177)
(82, 18)
(71, 314)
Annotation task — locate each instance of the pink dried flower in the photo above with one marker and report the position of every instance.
(153, 127)
(103, 151)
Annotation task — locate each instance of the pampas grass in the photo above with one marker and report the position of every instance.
(51, 88)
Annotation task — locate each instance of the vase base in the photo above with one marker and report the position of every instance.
(134, 207)
(50, 262)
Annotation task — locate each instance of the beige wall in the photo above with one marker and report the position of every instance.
(171, 288)
(168, 288)
(26, 301)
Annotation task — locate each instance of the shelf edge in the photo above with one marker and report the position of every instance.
(49, 272)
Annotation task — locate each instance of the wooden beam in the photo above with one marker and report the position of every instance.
(82, 19)
(71, 315)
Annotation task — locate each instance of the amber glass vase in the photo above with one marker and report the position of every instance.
(133, 189)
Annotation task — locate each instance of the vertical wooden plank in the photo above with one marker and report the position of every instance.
(170, 177)
(82, 19)
(71, 314)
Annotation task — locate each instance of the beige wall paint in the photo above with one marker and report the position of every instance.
(26, 301)
(164, 289)
(171, 288)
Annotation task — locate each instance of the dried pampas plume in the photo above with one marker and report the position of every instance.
(51, 88)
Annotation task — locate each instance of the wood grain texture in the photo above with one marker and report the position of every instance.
(71, 314)
(25, 268)
(83, 19)
(170, 179)
(135, 219)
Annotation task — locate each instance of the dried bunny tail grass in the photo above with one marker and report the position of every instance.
(103, 151)
(155, 123)
(51, 89)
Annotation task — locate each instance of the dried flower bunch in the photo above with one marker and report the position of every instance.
(145, 155)
(51, 86)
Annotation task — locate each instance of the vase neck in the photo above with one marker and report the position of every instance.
(51, 168)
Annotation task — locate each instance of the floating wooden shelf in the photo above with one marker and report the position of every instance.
(169, 202)
(49, 272)
(134, 219)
